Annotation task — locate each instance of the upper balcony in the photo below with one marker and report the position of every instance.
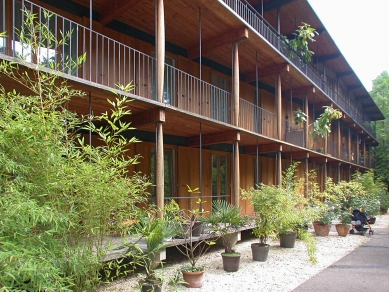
(250, 16)
(110, 62)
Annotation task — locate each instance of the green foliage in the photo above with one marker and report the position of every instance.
(384, 201)
(322, 125)
(303, 35)
(154, 231)
(59, 196)
(192, 247)
(380, 94)
(310, 242)
(300, 117)
(224, 221)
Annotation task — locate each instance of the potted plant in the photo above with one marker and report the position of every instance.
(224, 221)
(322, 225)
(344, 226)
(322, 125)
(191, 245)
(268, 202)
(300, 116)
(384, 202)
(152, 231)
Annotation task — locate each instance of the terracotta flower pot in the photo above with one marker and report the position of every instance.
(193, 279)
(343, 229)
(320, 229)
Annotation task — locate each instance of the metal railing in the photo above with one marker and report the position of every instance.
(251, 17)
(256, 119)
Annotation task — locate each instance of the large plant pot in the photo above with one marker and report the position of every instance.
(287, 240)
(260, 252)
(320, 229)
(342, 229)
(231, 262)
(152, 287)
(193, 279)
(197, 228)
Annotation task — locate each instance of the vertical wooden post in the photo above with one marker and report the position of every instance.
(363, 144)
(159, 173)
(279, 107)
(306, 129)
(349, 146)
(279, 167)
(339, 148)
(306, 174)
(236, 84)
(160, 41)
(358, 148)
(236, 184)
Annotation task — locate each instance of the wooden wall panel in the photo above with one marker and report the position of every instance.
(247, 180)
(183, 166)
(267, 170)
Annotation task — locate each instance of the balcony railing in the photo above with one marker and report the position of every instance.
(256, 119)
(251, 17)
(110, 63)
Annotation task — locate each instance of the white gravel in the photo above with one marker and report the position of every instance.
(284, 270)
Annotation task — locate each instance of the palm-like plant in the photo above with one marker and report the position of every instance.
(153, 230)
(224, 221)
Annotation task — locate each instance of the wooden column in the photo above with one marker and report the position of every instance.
(236, 84)
(159, 173)
(279, 167)
(338, 173)
(325, 174)
(160, 48)
(279, 107)
(363, 144)
(338, 148)
(236, 178)
(358, 147)
(306, 129)
(306, 174)
(349, 145)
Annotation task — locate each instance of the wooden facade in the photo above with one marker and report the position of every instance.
(215, 91)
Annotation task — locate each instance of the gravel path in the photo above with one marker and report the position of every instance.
(284, 270)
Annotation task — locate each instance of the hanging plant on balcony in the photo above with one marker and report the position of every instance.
(322, 125)
(303, 35)
(300, 116)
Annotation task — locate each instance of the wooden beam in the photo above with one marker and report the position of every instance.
(215, 138)
(147, 117)
(296, 155)
(358, 98)
(320, 159)
(300, 91)
(343, 74)
(236, 35)
(323, 58)
(263, 148)
(272, 5)
(352, 87)
(114, 9)
(272, 70)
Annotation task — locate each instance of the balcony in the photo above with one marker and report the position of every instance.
(253, 19)
(110, 62)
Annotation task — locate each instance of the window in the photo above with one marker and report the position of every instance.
(168, 171)
(219, 177)
(219, 98)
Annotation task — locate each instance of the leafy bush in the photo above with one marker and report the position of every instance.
(57, 193)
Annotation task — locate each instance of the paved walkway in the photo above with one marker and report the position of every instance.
(366, 269)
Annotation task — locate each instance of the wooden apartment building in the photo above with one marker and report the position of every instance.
(215, 89)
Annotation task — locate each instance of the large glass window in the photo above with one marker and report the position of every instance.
(219, 177)
(168, 171)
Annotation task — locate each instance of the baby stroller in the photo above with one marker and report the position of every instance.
(359, 221)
